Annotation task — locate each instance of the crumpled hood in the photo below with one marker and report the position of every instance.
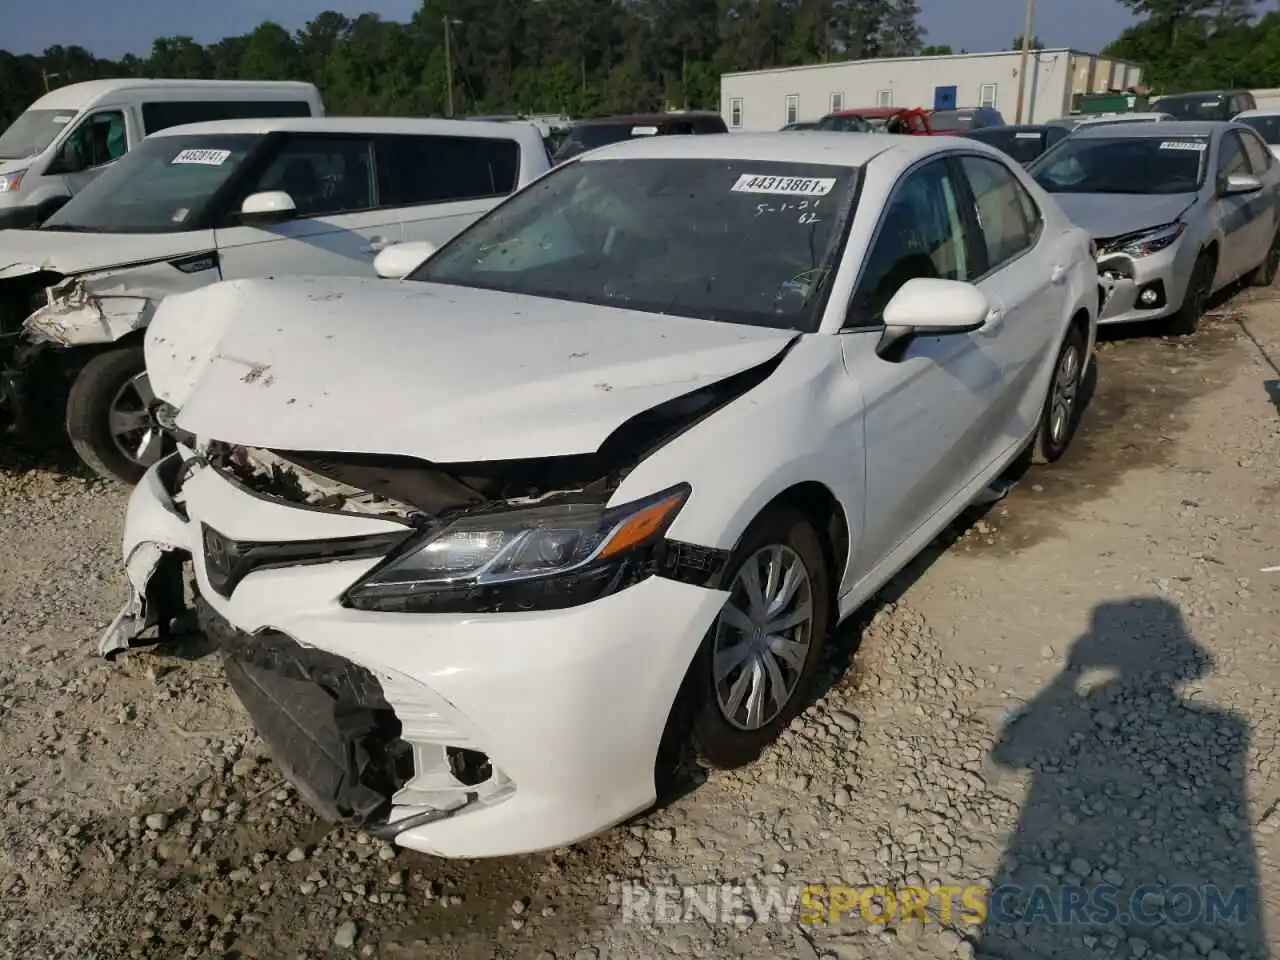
(29, 251)
(436, 372)
(1108, 215)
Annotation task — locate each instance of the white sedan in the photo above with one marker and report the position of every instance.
(604, 472)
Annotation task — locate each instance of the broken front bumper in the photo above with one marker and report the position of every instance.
(501, 733)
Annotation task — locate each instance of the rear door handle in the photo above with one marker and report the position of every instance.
(1059, 274)
(376, 245)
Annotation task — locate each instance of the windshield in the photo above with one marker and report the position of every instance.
(1195, 107)
(1268, 127)
(845, 124)
(32, 132)
(1022, 145)
(595, 135)
(732, 240)
(953, 120)
(1133, 165)
(164, 185)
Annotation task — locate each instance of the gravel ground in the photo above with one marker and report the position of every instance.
(1076, 688)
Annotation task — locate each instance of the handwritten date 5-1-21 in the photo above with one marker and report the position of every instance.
(806, 210)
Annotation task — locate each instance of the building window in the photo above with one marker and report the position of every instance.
(837, 102)
(793, 107)
(884, 98)
(735, 112)
(987, 95)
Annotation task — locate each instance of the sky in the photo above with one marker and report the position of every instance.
(116, 27)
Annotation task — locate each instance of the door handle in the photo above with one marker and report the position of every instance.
(1059, 274)
(376, 245)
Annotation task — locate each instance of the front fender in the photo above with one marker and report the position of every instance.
(804, 424)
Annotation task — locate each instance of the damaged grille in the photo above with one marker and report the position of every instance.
(325, 719)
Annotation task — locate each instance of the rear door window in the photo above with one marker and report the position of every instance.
(425, 170)
(324, 175)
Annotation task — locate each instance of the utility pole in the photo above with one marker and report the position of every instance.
(448, 65)
(46, 77)
(1027, 27)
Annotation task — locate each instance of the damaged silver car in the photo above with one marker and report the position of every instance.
(192, 205)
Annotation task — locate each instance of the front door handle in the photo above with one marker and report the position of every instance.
(1059, 274)
(376, 245)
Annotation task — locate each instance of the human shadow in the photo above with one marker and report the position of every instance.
(1134, 839)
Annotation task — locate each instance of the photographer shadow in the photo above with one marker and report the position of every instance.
(1134, 838)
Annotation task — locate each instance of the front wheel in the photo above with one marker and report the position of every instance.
(757, 665)
(1061, 412)
(109, 416)
(1199, 286)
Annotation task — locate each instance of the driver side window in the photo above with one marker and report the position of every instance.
(99, 139)
(921, 234)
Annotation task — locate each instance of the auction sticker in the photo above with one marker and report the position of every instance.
(1026, 136)
(644, 131)
(784, 186)
(1184, 145)
(210, 158)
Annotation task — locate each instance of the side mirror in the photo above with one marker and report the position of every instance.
(270, 206)
(1239, 183)
(400, 259)
(928, 306)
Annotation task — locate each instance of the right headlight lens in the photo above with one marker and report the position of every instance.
(11, 182)
(532, 558)
(1151, 241)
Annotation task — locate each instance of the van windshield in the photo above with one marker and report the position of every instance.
(1202, 106)
(165, 185)
(32, 132)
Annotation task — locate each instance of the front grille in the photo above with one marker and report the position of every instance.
(227, 562)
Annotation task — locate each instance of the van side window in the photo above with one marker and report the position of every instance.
(323, 175)
(98, 139)
(417, 170)
(171, 113)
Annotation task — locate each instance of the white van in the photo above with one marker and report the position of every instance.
(68, 136)
(206, 202)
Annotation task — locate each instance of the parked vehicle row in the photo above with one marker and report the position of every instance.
(602, 474)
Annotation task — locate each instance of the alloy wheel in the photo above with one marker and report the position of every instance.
(763, 637)
(131, 422)
(1066, 388)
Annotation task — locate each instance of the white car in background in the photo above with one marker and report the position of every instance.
(199, 203)
(1266, 123)
(607, 468)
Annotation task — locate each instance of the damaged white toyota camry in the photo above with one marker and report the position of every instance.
(603, 472)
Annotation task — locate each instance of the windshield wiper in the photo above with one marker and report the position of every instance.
(67, 228)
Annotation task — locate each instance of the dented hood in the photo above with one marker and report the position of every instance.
(436, 372)
(24, 252)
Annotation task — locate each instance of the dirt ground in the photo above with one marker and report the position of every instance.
(1077, 688)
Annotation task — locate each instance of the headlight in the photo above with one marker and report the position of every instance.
(536, 558)
(9, 182)
(1150, 241)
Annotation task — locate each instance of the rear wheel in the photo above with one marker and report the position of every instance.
(1265, 273)
(109, 416)
(1061, 411)
(756, 667)
(1199, 286)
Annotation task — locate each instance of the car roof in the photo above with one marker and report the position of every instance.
(1259, 112)
(805, 146)
(1202, 93)
(1166, 130)
(1016, 127)
(78, 95)
(1139, 115)
(646, 118)
(423, 126)
(875, 113)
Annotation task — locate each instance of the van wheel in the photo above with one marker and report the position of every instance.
(109, 416)
(757, 664)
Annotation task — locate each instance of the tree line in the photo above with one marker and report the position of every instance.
(590, 57)
(580, 57)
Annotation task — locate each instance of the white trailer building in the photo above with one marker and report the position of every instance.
(761, 100)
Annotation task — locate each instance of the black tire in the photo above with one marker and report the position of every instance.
(1061, 412)
(717, 741)
(1264, 274)
(89, 405)
(1184, 322)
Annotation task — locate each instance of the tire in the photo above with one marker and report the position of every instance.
(111, 380)
(729, 743)
(1264, 274)
(1184, 322)
(1061, 413)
